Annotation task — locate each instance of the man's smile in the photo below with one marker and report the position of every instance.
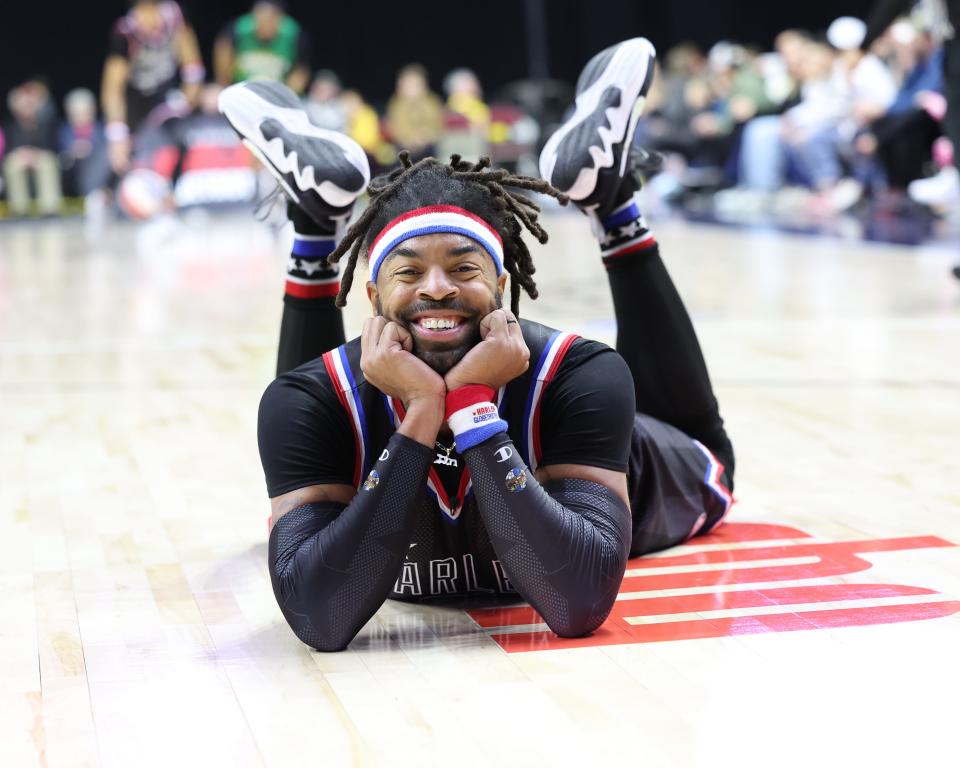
(439, 325)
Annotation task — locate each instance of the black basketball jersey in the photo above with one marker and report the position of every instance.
(334, 418)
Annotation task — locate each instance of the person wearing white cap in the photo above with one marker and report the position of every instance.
(862, 89)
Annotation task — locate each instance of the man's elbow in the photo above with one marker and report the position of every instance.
(323, 638)
(585, 612)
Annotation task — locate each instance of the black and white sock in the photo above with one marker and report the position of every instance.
(312, 323)
(309, 274)
(623, 231)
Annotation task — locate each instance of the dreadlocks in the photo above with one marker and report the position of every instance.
(474, 186)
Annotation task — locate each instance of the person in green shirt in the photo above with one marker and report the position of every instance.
(265, 44)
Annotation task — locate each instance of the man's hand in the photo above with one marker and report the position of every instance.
(119, 154)
(388, 364)
(500, 357)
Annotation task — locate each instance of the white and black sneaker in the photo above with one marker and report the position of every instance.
(588, 156)
(322, 171)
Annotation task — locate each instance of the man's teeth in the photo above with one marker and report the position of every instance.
(438, 323)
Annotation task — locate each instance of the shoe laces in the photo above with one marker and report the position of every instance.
(645, 162)
(265, 205)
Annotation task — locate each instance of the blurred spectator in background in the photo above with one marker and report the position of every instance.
(820, 135)
(761, 156)
(465, 97)
(807, 130)
(414, 113)
(83, 146)
(674, 100)
(265, 44)
(324, 104)
(153, 54)
(31, 150)
(943, 20)
(214, 167)
(698, 115)
(466, 130)
(363, 126)
(836, 93)
(902, 139)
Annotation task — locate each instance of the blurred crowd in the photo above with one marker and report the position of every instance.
(156, 121)
(821, 122)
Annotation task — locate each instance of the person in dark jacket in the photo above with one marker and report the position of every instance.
(945, 19)
(31, 137)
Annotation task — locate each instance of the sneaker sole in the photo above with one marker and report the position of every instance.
(607, 111)
(248, 110)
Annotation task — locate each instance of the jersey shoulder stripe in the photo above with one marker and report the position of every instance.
(344, 383)
(545, 370)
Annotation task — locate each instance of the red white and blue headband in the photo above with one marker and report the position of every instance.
(432, 220)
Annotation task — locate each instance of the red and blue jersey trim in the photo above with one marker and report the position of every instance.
(547, 366)
(712, 480)
(338, 369)
(450, 510)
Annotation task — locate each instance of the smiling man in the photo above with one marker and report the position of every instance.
(452, 448)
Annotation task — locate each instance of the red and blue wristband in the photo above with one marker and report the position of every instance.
(473, 416)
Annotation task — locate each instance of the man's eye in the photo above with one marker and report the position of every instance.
(467, 268)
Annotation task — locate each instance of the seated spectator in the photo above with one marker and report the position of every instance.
(465, 97)
(83, 146)
(808, 131)
(323, 104)
(31, 136)
(214, 167)
(841, 92)
(675, 99)
(363, 126)
(414, 113)
(265, 44)
(467, 122)
(902, 139)
(865, 89)
(761, 154)
(698, 115)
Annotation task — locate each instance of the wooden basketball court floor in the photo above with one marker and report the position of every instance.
(137, 623)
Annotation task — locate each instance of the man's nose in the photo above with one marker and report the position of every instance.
(436, 284)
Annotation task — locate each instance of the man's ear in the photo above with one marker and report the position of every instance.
(373, 296)
(502, 281)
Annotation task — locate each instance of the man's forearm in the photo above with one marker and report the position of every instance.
(333, 566)
(423, 420)
(563, 545)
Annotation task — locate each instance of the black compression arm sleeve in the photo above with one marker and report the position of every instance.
(564, 545)
(333, 566)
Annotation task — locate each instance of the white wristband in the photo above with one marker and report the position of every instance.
(116, 131)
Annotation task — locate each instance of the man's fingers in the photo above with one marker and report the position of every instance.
(365, 334)
(395, 335)
(495, 322)
(406, 339)
(513, 325)
(372, 330)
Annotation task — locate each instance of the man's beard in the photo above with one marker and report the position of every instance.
(438, 355)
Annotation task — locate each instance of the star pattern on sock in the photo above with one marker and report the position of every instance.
(308, 267)
(627, 231)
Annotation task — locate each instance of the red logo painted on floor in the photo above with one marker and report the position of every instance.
(510, 627)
